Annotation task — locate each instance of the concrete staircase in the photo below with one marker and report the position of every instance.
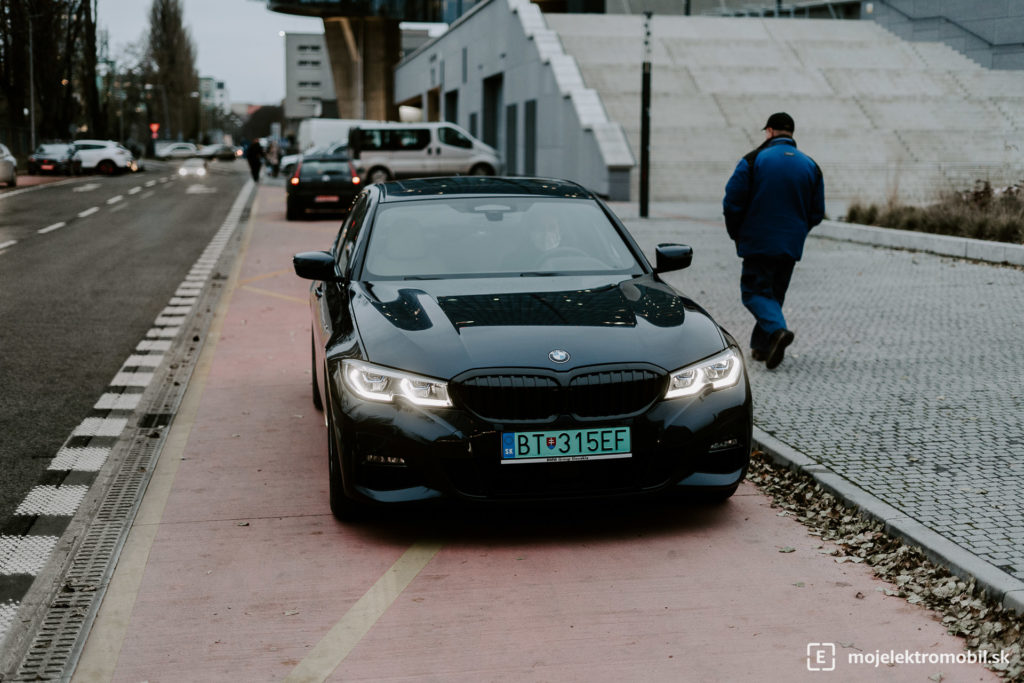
(882, 117)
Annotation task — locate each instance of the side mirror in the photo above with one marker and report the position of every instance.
(671, 257)
(315, 265)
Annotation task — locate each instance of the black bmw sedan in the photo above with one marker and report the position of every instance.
(505, 339)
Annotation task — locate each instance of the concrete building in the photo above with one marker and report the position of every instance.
(309, 83)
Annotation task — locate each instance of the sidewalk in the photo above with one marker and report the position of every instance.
(235, 569)
(904, 390)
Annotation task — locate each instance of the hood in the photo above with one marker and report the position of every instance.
(441, 328)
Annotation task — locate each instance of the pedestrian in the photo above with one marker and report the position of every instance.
(254, 155)
(274, 158)
(773, 199)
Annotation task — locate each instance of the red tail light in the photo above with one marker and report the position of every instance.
(295, 180)
(355, 176)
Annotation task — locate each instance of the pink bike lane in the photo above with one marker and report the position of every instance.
(235, 569)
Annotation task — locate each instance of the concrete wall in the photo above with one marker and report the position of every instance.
(503, 51)
(991, 32)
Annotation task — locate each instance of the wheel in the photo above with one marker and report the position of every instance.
(317, 401)
(106, 167)
(481, 169)
(14, 179)
(378, 174)
(343, 508)
(293, 212)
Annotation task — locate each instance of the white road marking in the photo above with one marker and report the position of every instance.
(184, 301)
(150, 360)
(52, 500)
(88, 212)
(153, 345)
(169, 321)
(8, 243)
(115, 199)
(135, 190)
(147, 195)
(88, 187)
(24, 554)
(118, 401)
(51, 228)
(200, 189)
(163, 333)
(150, 183)
(176, 310)
(101, 426)
(88, 459)
(132, 379)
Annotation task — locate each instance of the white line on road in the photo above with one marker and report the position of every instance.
(88, 212)
(147, 195)
(135, 190)
(51, 228)
(8, 243)
(150, 183)
(115, 199)
(88, 187)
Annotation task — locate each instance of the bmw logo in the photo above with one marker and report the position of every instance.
(559, 356)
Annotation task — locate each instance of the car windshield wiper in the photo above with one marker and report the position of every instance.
(422, 277)
(541, 273)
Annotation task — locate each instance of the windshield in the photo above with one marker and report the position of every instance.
(51, 149)
(316, 168)
(495, 236)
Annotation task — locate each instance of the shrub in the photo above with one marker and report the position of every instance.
(982, 213)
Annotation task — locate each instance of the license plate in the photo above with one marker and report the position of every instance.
(327, 198)
(567, 445)
(47, 167)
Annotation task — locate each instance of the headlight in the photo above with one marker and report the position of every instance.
(711, 374)
(375, 383)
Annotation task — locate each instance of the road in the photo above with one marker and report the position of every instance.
(86, 265)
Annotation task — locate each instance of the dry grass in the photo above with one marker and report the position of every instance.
(984, 213)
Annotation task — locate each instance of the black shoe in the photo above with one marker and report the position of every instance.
(777, 344)
(758, 354)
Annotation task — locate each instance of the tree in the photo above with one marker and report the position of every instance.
(172, 60)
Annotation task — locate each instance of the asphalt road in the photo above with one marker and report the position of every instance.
(86, 264)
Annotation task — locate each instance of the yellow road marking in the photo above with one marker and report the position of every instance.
(286, 297)
(332, 650)
(264, 276)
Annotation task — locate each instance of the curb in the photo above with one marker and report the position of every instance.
(943, 245)
(939, 549)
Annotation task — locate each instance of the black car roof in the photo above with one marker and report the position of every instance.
(426, 188)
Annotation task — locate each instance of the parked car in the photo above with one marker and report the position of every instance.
(104, 156)
(385, 151)
(290, 161)
(59, 158)
(176, 150)
(322, 183)
(219, 152)
(506, 339)
(8, 167)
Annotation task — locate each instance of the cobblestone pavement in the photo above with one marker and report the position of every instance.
(906, 376)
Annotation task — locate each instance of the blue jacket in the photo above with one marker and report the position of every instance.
(773, 199)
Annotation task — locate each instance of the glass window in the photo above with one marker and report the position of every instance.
(349, 233)
(315, 168)
(450, 136)
(494, 236)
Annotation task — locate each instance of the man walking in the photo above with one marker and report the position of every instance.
(773, 199)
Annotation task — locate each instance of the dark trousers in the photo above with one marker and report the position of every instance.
(763, 286)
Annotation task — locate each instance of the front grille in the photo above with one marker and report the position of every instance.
(589, 394)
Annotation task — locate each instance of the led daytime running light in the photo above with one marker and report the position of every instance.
(719, 372)
(375, 383)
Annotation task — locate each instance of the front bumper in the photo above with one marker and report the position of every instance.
(397, 452)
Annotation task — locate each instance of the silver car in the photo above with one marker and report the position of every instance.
(8, 167)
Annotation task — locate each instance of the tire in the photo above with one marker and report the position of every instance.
(317, 401)
(378, 174)
(14, 180)
(293, 212)
(106, 167)
(481, 169)
(343, 508)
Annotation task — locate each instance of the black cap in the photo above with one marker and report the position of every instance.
(781, 121)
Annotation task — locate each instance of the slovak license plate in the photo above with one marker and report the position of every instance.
(327, 198)
(568, 445)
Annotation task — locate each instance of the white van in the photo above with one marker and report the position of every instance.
(383, 151)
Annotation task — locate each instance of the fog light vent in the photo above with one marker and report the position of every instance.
(384, 460)
(722, 445)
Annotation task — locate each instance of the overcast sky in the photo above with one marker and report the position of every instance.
(236, 41)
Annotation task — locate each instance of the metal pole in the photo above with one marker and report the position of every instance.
(31, 88)
(645, 121)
